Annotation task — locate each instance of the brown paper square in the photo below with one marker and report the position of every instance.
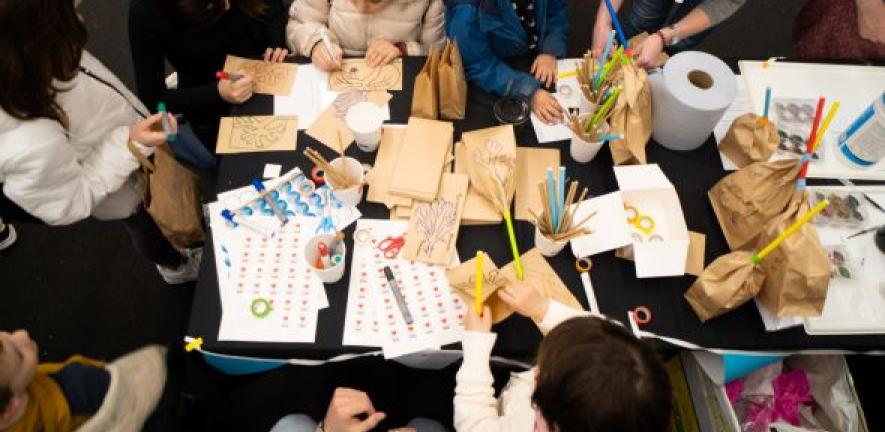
(427, 148)
(433, 226)
(477, 209)
(531, 169)
(256, 134)
(270, 78)
(329, 128)
(355, 75)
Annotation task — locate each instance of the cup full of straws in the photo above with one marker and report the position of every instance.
(556, 225)
(590, 130)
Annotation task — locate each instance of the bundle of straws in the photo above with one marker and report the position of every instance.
(588, 129)
(814, 136)
(558, 220)
(340, 177)
(596, 80)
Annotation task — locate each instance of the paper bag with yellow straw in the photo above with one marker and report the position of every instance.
(632, 116)
(750, 138)
(463, 277)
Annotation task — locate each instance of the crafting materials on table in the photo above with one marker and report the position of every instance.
(433, 226)
(583, 266)
(338, 176)
(236, 221)
(806, 158)
(557, 221)
(232, 76)
(398, 294)
(268, 77)
(372, 316)
(689, 96)
(244, 134)
(860, 146)
(767, 102)
(164, 121)
(327, 44)
(641, 315)
(272, 203)
(846, 208)
(613, 14)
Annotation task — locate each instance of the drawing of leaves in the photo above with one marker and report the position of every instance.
(346, 100)
(436, 222)
(495, 178)
(259, 132)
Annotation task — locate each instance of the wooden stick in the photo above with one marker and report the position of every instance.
(565, 224)
(542, 190)
(334, 174)
(574, 208)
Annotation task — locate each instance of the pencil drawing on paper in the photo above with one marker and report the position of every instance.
(492, 280)
(267, 75)
(346, 100)
(257, 132)
(355, 75)
(497, 164)
(436, 224)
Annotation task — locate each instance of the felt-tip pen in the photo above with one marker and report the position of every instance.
(164, 118)
(398, 294)
(233, 76)
(238, 221)
(265, 195)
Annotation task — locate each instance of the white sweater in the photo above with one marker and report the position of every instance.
(61, 176)
(476, 409)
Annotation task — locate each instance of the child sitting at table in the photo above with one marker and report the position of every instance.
(79, 394)
(489, 32)
(380, 30)
(592, 375)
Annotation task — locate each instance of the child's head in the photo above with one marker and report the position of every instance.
(18, 363)
(595, 376)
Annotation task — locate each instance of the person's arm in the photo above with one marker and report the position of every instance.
(149, 62)
(556, 314)
(476, 408)
(553, 41)
(307, 18)
(603, 27)
(45, 178)
(871, 20)
(716, 11)
(481, 66)
(432, 29)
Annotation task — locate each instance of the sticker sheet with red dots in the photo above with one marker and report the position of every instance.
(268, 292)
(373, 317)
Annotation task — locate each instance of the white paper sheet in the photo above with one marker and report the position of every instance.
(609, 226)
(305, 99)
(372, 316)
(550, 133)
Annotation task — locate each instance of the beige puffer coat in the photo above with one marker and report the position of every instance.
(417, 23)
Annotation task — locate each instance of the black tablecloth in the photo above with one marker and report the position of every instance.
(614, 279)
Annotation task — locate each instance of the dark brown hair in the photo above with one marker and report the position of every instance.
(41, 41)
(594, 376)
(203, 13)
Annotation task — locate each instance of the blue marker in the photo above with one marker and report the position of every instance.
(236, 221)
(767, 101)
(272, 203)
(164, 118)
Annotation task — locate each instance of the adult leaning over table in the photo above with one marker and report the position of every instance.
(380, 30)
(195, 37)
(65, 125)
(489, 32)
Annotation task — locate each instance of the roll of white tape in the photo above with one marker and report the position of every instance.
(689, 96)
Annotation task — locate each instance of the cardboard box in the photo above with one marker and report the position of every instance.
(659, 251)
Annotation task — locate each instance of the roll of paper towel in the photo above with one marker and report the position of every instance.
(688, 97)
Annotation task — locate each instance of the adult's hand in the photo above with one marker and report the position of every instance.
(325, 62)
(344, 409)
(546, 107)
(149, 132)
(871, 20)
(381, 52)
(526, 300)
(275, 55)
(646, 54)
(601, 30)
(237, 91)
(544, 69)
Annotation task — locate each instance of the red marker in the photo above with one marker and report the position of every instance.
(323, 250)
(233, 76)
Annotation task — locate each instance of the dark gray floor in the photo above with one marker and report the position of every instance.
(82, 289)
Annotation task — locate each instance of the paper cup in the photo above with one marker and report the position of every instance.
(364, 120)
(330, 274)
(354, 169)
(546, 246)
(583, 151)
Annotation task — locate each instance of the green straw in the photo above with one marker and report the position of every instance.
(605, 108)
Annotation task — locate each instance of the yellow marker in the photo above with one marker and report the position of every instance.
(477, 285)
(756, 259)
(568, 74)
(823, 127)
(194, 344)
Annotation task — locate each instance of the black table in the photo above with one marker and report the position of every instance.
(617, 288)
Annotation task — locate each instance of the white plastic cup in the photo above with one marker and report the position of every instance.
(584, 151)
(354, 169)
(330, 274)
(546, 246)
(364, 119)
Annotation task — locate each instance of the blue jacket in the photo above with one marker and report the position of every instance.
(488, 31)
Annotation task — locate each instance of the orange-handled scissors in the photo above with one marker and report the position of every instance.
(391, 246)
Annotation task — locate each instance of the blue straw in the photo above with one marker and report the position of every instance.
(767, 101)
(561, 200)
(602, 60)
(614, 14)
(551, 192)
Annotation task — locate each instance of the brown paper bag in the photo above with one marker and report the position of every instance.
(747, 199)
(543, 278)
(797, 273)
(463, 277)
(632, 116)
(452, 83)
(477, 209)
(425, 102)
(750, 138)
(730, 281)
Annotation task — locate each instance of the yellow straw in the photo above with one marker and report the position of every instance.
(477, 286)
(568, 74)
(756, 259)
(823, 128)
(517, 263)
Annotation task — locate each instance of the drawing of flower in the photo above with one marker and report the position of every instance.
(436, 222)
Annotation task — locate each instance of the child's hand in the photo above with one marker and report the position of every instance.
(149, 132)
(474, 322)
(275, 55)
(239, 91)
(381, 52)
(347, 404)
(544, 69)
(526, 300)
(321, 59)
(546, 107)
